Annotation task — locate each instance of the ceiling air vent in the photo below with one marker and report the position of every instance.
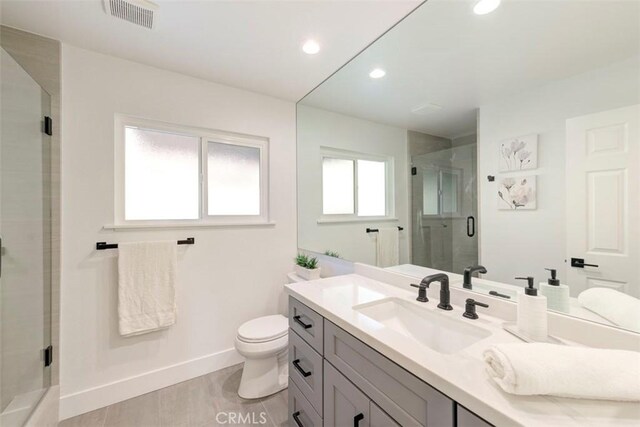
(139, 12)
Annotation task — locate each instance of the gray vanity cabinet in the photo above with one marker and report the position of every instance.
(337, 380)
(301, 413)
(378, 418)
(344, 404)
(466, 418)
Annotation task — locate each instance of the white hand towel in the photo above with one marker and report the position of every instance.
(388, 247)
(146, 286)
(615, 306)
(550, 369)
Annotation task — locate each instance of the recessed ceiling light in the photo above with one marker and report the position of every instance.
(485, 6)
(377, 73)
(311, 47)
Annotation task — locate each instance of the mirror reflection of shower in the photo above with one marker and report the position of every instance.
(444, 207)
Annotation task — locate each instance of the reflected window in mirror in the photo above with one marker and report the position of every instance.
(338, 186)
(441, 191)
(355, 185)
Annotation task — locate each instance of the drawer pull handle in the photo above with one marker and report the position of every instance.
(357, 419)
(296, 418)
(296, 364)
(301, 323)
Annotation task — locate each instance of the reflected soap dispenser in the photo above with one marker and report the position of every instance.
(532, 312)
(557, 294)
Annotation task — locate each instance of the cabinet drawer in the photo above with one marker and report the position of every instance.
(407, 399)
(305, 369)
(307, 323)
(301, 413)
(378, 418)
(344, 404)
(467, 418)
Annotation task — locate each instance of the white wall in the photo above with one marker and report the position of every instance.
(522, 243)
(229, 276)
(320, 128)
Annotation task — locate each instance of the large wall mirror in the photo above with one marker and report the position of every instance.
(509, 140)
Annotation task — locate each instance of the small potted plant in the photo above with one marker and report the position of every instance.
(307, 267)
(333, 254)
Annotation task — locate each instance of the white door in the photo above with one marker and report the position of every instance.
(603, 201)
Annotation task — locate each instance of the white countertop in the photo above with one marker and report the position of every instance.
(461, 376)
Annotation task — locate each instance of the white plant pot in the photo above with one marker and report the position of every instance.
(306, 273)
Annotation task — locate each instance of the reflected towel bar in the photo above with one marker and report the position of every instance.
(100, 246)
(375, 230)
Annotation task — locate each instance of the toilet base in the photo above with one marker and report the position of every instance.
(263, 377)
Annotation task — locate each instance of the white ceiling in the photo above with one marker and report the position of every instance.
(254, 45)
(445, 55)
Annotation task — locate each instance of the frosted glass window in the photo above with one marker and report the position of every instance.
(430, 194)
(372, 188)
(337, 186)
(449, 192)
(161, 175)
(233, 182)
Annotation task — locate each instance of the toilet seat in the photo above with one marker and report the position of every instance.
(263, 329)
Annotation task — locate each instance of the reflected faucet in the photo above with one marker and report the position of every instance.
(445, 295)
(466, 282)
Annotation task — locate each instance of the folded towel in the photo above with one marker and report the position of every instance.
(558, 370)
(617, 307)
(388, 247)
(146, 286)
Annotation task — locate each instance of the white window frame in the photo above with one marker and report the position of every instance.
(335, 153)
(205, 136)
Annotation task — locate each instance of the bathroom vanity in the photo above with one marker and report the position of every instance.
(337, 380)
(366, 353)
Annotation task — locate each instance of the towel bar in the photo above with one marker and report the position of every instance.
(100, 246)
(375, 230)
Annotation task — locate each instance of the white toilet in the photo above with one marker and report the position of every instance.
(264, 344)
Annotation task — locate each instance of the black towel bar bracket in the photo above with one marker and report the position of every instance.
(100, 246)
(375, 230)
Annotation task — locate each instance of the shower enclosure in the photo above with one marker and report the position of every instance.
(444, 208)
(25, 245)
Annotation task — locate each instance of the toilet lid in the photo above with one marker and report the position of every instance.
(263, 329)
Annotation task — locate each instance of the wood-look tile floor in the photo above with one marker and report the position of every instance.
(210, 400)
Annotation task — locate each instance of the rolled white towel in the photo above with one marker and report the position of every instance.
(615, 306)
(580, 372)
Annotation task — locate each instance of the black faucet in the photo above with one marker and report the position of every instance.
(445, 295)
(470, 308)
(466, 282)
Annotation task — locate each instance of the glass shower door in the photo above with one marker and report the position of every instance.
(25, 221)
(444, 209)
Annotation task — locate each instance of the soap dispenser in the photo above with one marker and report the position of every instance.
(557, 294)
(532, 312)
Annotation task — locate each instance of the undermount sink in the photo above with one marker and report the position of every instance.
(434, 330)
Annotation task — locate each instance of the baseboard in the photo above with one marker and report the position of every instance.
(98, 397)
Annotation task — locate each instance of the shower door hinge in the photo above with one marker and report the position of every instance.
(48, 125)
(48, 356)
(414, 171)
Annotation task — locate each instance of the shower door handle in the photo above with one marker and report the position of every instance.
(471, 226)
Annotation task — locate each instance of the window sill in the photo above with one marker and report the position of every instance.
(356, 220)
(181, 225)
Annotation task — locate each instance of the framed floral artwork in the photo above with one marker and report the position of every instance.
(517, 193)
(517, 154)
